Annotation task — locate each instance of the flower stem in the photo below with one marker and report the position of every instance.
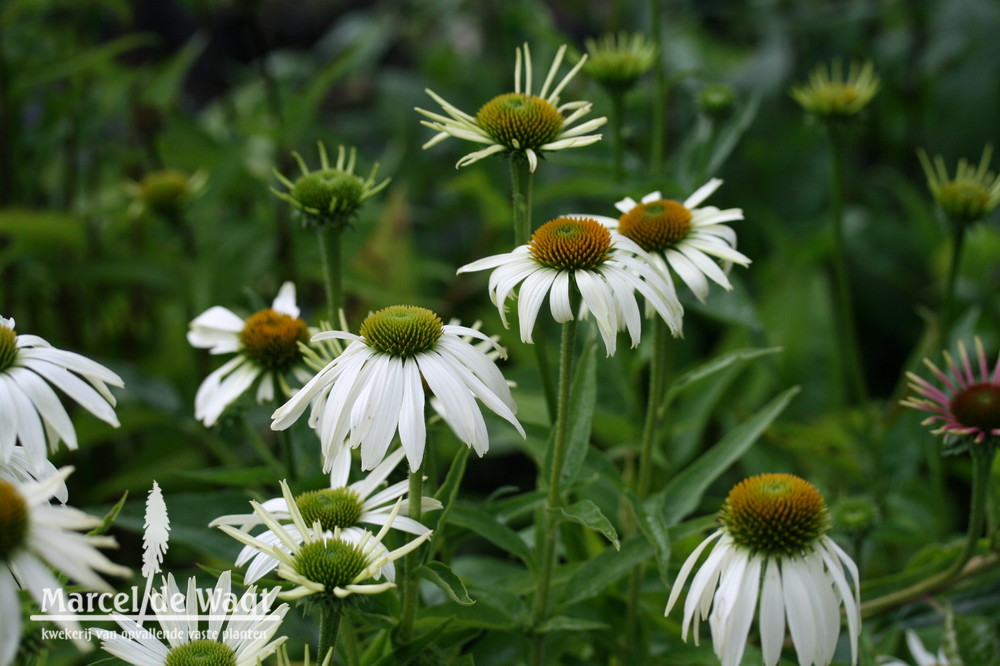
(412, 561)
(657, 383)
(260, 446)
(618, 132)
(521, 180)
(351, 644)
(659, 91)
(329, 625)
(650, 430)
(553, 495)
(333, 269)
(948, 298)
(848, 341)
(982, 468)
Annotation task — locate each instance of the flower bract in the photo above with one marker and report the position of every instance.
(771, 552)
(520, 123)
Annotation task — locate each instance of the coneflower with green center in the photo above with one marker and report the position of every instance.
(376, 387)
(972, 194)
(772, 551)
(617, 62)
(326, 569)
(520, 123)
(341, 506)
(578, 254)
(836, 97)
(328, 199)
(238, 632)
(267, 351)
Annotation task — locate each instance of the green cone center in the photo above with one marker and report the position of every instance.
(520, 121)
(13, 521)
(201, 653)
(8, 347)
(329, 191)
(657, 225)
(333, 507)
(402, 330)
(978, 407)
(775, 514)
(165, 191)
(964, 199)
(569, 243)
(271, 339)
(332, 563)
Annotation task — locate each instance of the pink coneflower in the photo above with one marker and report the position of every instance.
(966, 406)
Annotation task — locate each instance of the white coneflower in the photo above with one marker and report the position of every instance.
(681, 236)
(37, 537)
(570, 254)
(236, 634)
(376, 387)
(341, 506)
(19, 470)
(266, 345)
(772, 551)
(30, 411)
(520, 122)
(324, 565)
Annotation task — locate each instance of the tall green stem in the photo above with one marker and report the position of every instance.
(618, 132)
(948, 299)
(982, 468)
(848, 338)
(329, 626)
(333, 268)
(659, 97)
(651, 426)
(553, 494)
(412, 561)
(521, 179)
(650, 430)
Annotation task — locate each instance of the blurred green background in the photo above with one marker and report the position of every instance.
(94, 96)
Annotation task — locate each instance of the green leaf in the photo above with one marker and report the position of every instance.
(441, 575)
(601, 572)
(683, 493)
(110, 517)
(586, 513)
(566, 623)
(715, 366)
(654, 527)
(405, 654)
(493, 531)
